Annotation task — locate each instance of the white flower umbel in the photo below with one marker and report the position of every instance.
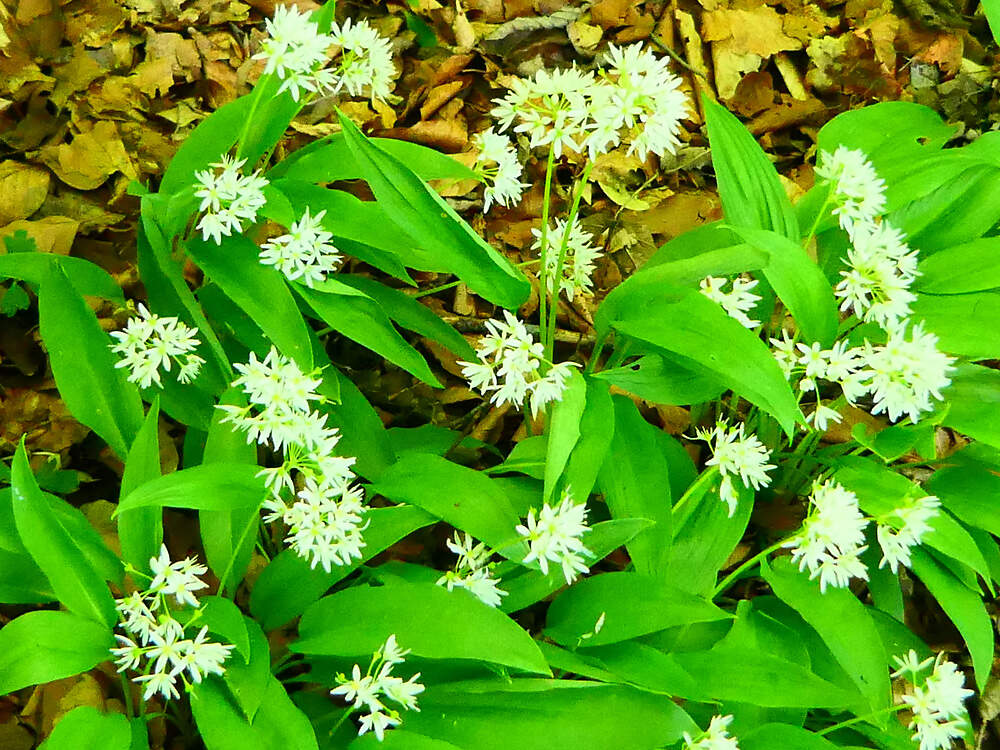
(228, 198)
(938, 706)
(150, 343)
(737, 302)
(716, 737)
(510, 366)
(832, 537)
(736, 454)
(472, 570)
(905, 373)
(295, 50)
(857, 190)
(903, 528)
(555, 536)
(304, 253)
(578, 263)
(499, 167)
(367, 692)
(881, 268)
(365, 61)
(178, 579)
(325, 523)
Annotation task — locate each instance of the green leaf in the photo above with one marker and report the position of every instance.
(635, 482)
(23, 581)
(207, 487)
(83, 364)
(400, 739)
(563, 432)
(13, 300)
(770, 736)
(965, 324)
(40, 647)
(288, 585)
(970, 267)
(225, 619)
(844, 625)
(992, 10)
(963, 606)
(751, 193)
(85, 726)
(431, 621)
(260, 291)
(86, 277)
(74, 579)
(970, 492)
(141, 530)
(632, 605)
(660, 380)
(449, 242)
(547, 714)
(248, 679)
(596, 433)
(357, 316)
(973, 400)
(362, 433)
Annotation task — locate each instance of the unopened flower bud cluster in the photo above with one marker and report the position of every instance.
(151, 342)
(312, 490)
(155, 642)
(938, 705)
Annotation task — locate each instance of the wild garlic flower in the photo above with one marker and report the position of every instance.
(472, 570)
(716, 737)
(905, 373)
(500, 168)
(938, 706)
(151, 342)
(737, 302)
(365, 61)
(736, 454)
(881, 268)
(228, 198)
(305, 252)
(832, 538)
(554, 536)
(510, 365)
(903, 529)
(156, 644)
(858, 191)
(367, 692)
(578, 265)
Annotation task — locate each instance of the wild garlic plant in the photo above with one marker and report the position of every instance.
(707, 534)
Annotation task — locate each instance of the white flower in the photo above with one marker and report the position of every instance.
(832, 537)
(294, 49)
(715, 738)
(500, 168)
(366, 60)
(199, 656)
(472, 570)
(736, 454)
(177, 579)
(128, 655)
(881, 269)
(158, 682)
(578, 263)
(938, 706)
(857, 188)
(150, 343)
(305, 252)
(378, 722)
(228, 197)
(555, 536)
(822, 415)
(910, 664)
(325, 524)
(402, 692)
(360, 692)
(904, 528)
(139, 618)
(737, 302)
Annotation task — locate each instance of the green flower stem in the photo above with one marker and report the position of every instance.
(252, 522)
(550, 333)
(254, 104)
(453, 284)
(752, 562)
(127, 695)
(861, 719)
(596, 354)
(543, 270)
(697, 486)
(819, 216)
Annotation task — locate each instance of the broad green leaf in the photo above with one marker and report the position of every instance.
(971, 267)
(844, 625)
(431, 621)
(972, 493)
(86, 277)
(635, 482)
(23, 582)
(657, 379)
(400, 739)
(597, 426)
(288, 585)
(963, 606)
(547, 714)
(465, 498)
(225, 619)
(965, 324)
(83, 364)
(249, 678)
(973, 400)
(40, 647)
(85, 726)
(362, 433)
(770, 736)
(74, 579)
(207, 487)
(141, 530)
(356, 315)
(259, 290)
(992, 10)
(449, 243)
(563, 431)
(632, 605)
(751, 193)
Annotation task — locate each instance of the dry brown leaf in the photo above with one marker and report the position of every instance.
(91, 158)
(741, 41)
(609, 13)
(42, 418)
(52, 234)
(438, 96)
(23, 188)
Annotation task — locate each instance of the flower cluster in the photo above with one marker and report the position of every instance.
(806, 365)
(736, 454)
(939, 714)
(473, 570)
(855, 186)
(578, 263)
(379, 683)
(637, 94)
(311, 492)
(881, 267)
(903, 528)
(298, 53)
(228, 198)
(737, 302)
(716, 737)
(510, 364)
(305, 252)
(155, 642)
(150, 342)
(498, 166)
(554, 536)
